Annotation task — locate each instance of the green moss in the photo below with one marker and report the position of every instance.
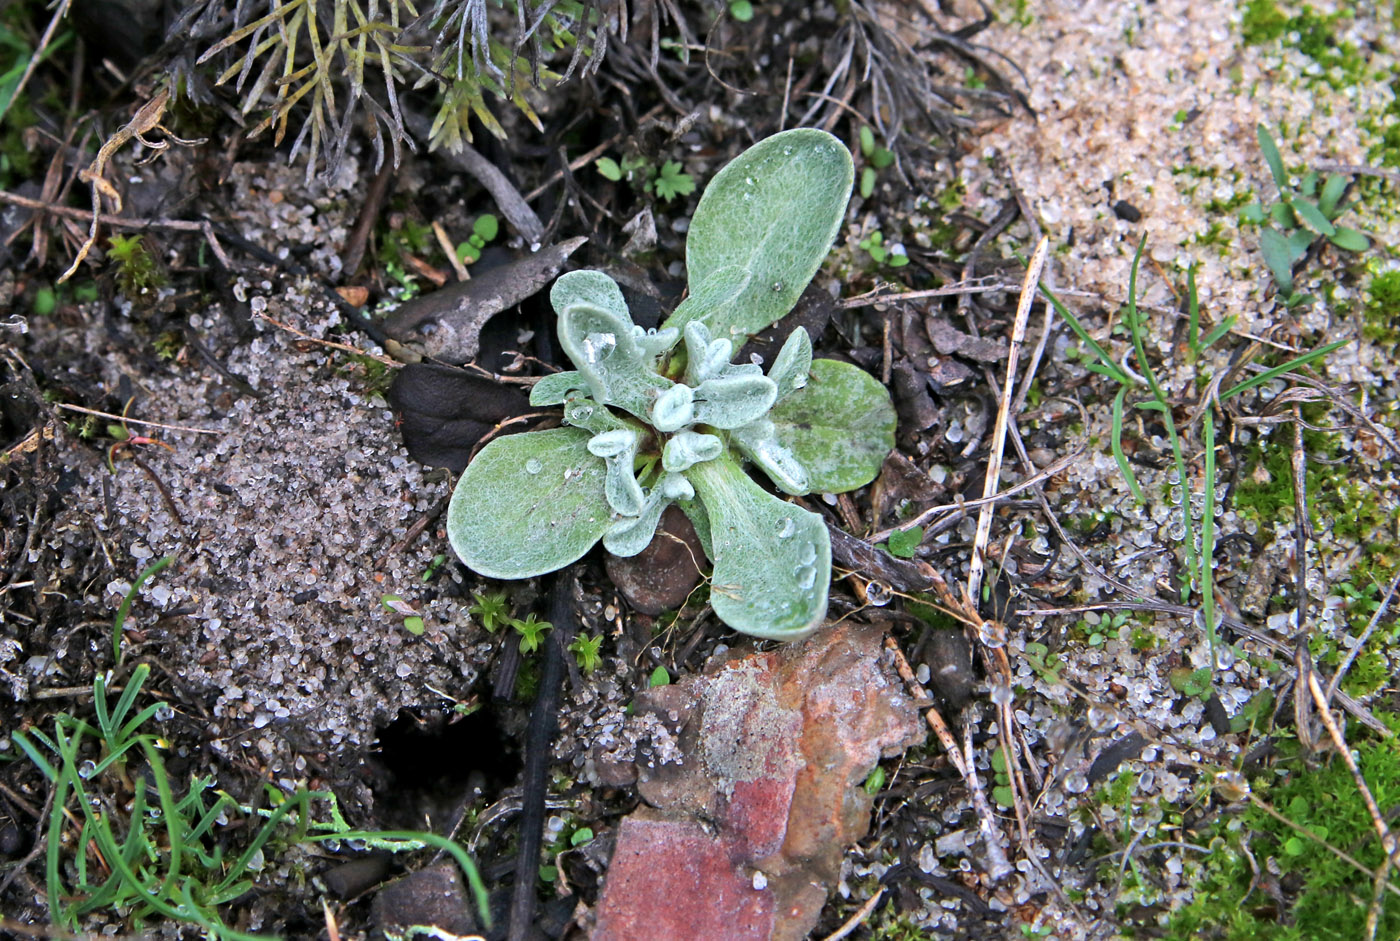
(1262, 22)
(1381, 315)
(1323, 897)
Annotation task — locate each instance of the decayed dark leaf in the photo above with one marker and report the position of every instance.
(446, 324)
(856, 554)
(443, 412)
(949, 339)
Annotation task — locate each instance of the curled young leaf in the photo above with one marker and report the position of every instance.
(618, 449)
(628, 537)
(605, 350)
(687, 448)
(674, 409)
(734, 400)
(529, 504)
(772, 560)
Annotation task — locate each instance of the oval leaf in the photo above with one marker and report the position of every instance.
(589, 287)
(840, 426)
(773, 211)
(1350, 240)
(554, 389)
(529, 504)
(772, 559)
(1312, 217)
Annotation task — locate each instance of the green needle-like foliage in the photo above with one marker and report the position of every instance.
(318, 63)
(667, 416)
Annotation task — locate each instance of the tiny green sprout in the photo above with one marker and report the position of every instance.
(434, 566)
(741, 10)
(45, 301)
(1303, 214)
(675, 416)
(137, 272)
(659, 677)
(671, 181)
(412, 620)
(875, 782)
(581, 836)
(609, 168)
(484, 229)
(876, 159)
(903, 542)
(585, 651)
(874, 245)
(549, 873)
(531, 631)
(490, 611)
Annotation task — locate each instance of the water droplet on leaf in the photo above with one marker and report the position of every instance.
(786, 527)
(533, 466)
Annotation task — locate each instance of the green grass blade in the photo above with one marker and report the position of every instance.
(1221, 329)
(1295, 363)
(1208, 538)
(125, 608)
(129, 693)
(1109, 365)
(385, 839)
(1117, 440)
(34, 755)
(1193, 314)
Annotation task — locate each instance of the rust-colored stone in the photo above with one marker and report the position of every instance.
(746, 831)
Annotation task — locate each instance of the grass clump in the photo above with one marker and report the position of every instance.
(151, 853)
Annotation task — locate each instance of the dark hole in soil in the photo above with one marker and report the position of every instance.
(442, 759)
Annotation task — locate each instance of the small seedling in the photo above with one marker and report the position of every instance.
(585, 651)
(659, 677)
(138, 274)
(412, 620)
(651, 421)
(1198, 550)
(484, 229)
(903, 542)
(874, 245)
(875, 782)
(531, 631)
(876, 159)
(491, 611)
(667, 181)
(1299, 217)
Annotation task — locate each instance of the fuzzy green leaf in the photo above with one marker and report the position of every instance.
(772, 560)
(589, 287)
(554, 389)
(528, 504)
(603, 346)
(840, 426)
(711, 300)
(773, 211)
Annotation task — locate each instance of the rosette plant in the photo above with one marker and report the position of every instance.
(655, 417)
